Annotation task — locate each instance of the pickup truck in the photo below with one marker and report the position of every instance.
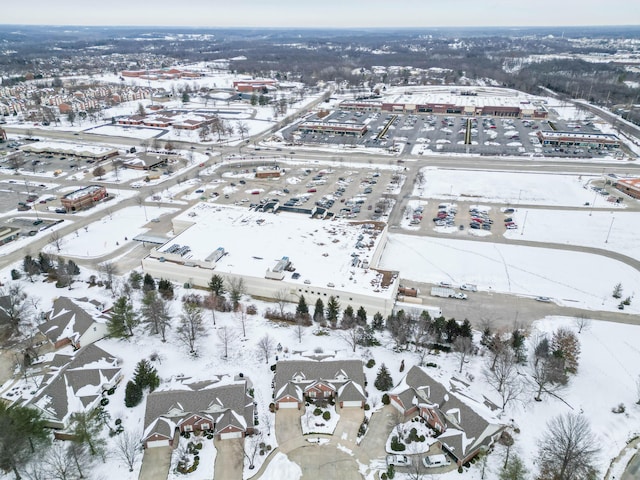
(398, 460)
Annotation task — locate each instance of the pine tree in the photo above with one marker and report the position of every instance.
(383, 381)
(515, 470)
(302, 310)
(148, 283)
(146, 376)
(361, 316)
(333, 309)
(318, 311)
(617, 291)
(465, 329)
(378, 321)
(216, 285)
(135, 278)
(132, 394)
(165, 287)
(123, 319)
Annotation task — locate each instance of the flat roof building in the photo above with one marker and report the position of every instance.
(573, 139)
(630, 186)
(280, 252)
(83, 198)
(335, 128)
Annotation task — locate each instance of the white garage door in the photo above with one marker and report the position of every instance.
(288, 405)
(353, 403)
(229, 436)
(158, 443)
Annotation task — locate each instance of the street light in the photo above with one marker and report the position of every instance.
(610, 227)
(524, 222)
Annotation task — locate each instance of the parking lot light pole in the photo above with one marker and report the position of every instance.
(524, 222)
(595, 197)
(610, 227)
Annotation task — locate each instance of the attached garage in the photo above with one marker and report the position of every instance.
(352, 403)
(230, 435)
(157, 443)
(287, 404)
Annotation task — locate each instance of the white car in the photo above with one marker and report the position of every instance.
(445, 285)
(460, 296)
(435, 461)
(543, 299)
(398, 460)
(469, 287)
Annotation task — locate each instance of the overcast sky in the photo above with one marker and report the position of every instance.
(323, 13)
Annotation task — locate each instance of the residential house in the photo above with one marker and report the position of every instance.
(74, 383)
(78, 322)
(465, 426)
(340, 380)
(225, 410)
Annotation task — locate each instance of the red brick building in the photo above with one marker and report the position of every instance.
(84, 198)
(630, 186)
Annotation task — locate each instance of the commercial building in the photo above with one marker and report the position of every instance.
(630, 186)
(279, 253)
(83, 198)
(333, 128)
(597, 141)
(75, 150)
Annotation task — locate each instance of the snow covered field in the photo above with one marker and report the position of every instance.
(569, 278)
(108, 234)
(506, 187)
(616, 230)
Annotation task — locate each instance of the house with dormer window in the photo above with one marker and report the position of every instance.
(339, 380)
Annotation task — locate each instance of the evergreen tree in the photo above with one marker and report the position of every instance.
(146, 376)
(452, 330)
(302, 310)
(617, 291)
(348, 318)
(519, 348)
(45, 262)
(132, 394)
(465, 329)
(148, 283)
(135, 279)
(378, 321)
(333, 310)
(23, 432)
(216, 285)
(318, 311)
(123, 319)
(86, 428)
(165, 288)
(361, 316)
(514, 470)
(72, 268)
(383, 381)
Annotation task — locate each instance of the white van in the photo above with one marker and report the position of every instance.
(435, 461)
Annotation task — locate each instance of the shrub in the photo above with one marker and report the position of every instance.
(371, 363)
(619, 409)
(252, 309)
(391, 472)
(326, 416)
(396, 445)
(111, 391)
(15, 274)
(118, 421)
(432, 365)
(367, 407)
(385, 399)
(132, 394)
(317, 412)
(272, 407)
(104, 402)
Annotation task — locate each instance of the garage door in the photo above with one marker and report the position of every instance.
(353, 403)
(288, 405)
(158, 443)
(229, 436)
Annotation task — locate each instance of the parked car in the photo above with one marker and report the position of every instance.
(543, 299)
(398, 460)
(460, 296)
(469, 287)
(435, 461)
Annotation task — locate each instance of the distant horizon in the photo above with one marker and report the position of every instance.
(337, 14)
(286, 27)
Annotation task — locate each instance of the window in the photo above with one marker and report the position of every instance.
(205, 426)
(188, 428)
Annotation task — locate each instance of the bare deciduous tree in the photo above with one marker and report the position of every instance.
(16, 308)
(463, 348)
(56, 240)
(251, 447)
(504, 377)
(227, 338)
(547, 370)
(281, 297)
(351, 336)
(109, 270)
(265, 347)
(568, 449)
(582, 323)
(191, 327)
(128, 447)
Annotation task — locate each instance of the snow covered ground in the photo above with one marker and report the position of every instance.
(569, 278)
(615, 230)
(507, 187)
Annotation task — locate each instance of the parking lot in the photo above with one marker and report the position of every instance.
(422, 133)
(461, 218)
(365, 194)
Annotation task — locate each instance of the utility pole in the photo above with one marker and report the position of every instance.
(610, 227)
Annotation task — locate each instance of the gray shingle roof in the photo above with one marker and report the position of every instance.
(76, 385)
(337, 372)
(70, 319)
(211, 401)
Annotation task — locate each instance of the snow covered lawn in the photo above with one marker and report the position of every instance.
(312, 423)
(505, 187)
(570, 278)
(403, 432)
(280, 468)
